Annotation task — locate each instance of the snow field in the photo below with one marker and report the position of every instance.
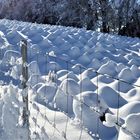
(72, 55)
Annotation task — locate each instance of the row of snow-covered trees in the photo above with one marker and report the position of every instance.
(118, 16)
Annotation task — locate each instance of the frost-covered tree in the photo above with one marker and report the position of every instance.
(117, 16)
(127, 16)
(14, 9)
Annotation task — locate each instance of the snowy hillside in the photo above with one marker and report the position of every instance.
(82, 84)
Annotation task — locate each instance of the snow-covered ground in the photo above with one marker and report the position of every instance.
(82, 84)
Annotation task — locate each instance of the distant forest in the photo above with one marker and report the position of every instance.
(109, 16)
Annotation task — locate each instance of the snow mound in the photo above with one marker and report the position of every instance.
(84, 59)
(8, 55)
(108, 68)
(66, 92)
(135, 70)
(95, 63)
(132, 125)
(108, 93)
(133, 95)
(71, 86)
(77, 69)
(124, 75)
(111, 120)
(133, 62)
(99, 48)
(74, 52)
(53, 66)
(98, 55)
(13, 36)
(120, 67)
(61, 73)
(89, 114)
(121, 86)
(105, 79)
(34, 79)
(89, 73)
(33, 50)
(87, 85)
(69, 75)
(37, 38)
(129, 108)
(46, 93)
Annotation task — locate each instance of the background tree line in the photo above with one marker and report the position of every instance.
(109, 16)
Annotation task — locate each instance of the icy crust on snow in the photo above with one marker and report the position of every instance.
(62, 65)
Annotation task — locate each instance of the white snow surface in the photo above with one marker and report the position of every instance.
(73, 87)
